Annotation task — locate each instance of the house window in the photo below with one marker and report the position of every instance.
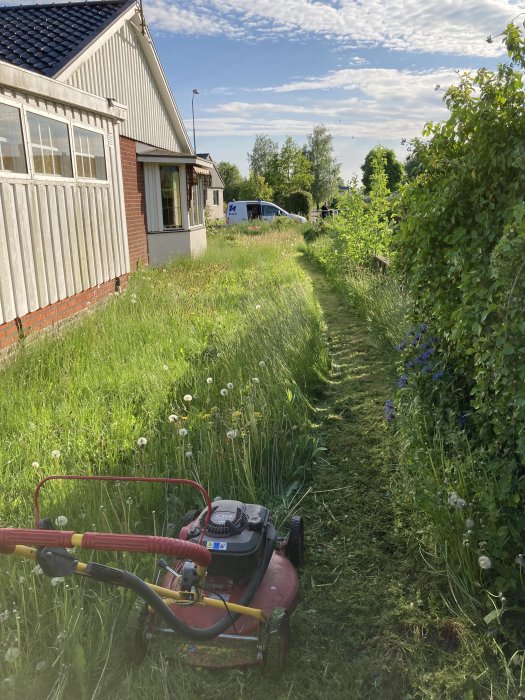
(12, 154)
(170, 195)
(89, 154)
(50, 146)
(196, 209)
(216, 198)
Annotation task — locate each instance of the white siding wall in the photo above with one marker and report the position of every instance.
(59, 237)
(119, 69)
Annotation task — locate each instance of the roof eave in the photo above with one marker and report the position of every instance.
(28, 81)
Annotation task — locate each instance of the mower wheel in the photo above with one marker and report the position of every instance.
(136, 638)
(277, 642)
(295, 544)
(190, 516)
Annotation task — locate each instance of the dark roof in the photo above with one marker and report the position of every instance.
(45, 38)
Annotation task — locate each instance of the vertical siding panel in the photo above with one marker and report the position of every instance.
(131, 82)
(68, 234)
(63, 242)
(15, 253)
(38, 251)
(74, 223)
(6, 280)
(26, 245)
(102, 231)
(47, 244)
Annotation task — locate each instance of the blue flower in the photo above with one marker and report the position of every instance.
(423, 327)
(402, 345)
(389, 411)
(402, 381)
(437, 376)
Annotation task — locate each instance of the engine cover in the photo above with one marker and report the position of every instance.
(235, 535)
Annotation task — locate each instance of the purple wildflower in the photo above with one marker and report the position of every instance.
(423, 327)
(402, 381)
(437, 376)
(389, 411)
(402, 345)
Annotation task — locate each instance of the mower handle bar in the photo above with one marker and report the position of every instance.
(147, 544)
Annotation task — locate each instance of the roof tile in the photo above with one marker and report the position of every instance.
(45, 38)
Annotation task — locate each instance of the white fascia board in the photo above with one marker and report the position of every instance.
(64, 74)
(152, 58)
(186, 160)
(23, 80)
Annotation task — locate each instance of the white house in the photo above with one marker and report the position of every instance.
(97, 173)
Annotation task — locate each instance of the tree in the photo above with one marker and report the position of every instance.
(413, 162)
(325, 168)
(255, 187)
(232, 179)
(393, 168)
(289, 171)
(263, 151)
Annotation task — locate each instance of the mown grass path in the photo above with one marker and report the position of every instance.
(364, 626)
(351, 593)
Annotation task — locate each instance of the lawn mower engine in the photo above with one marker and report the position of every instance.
(249, 566)
(236, 534)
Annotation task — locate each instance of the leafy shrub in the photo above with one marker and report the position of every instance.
(461, 247)
(299, 202)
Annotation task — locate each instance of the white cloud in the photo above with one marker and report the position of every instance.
(439, 26)
(359, 102)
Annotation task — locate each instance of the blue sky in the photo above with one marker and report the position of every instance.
(366, 69)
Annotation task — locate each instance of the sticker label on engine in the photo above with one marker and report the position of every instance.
(216, 545)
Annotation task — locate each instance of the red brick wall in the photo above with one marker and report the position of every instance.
(37, 320)
(135, 203)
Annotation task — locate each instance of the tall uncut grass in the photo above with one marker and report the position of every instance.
(201, 369)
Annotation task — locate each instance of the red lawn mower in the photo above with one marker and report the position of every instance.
(224, 598)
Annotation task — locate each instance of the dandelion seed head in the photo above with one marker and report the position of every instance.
(187, 397)
(55, 454)
(257, 307)
(41, 665)
(484, 562)
(209, 380)
(60, 521)
(255, 380)
(188, 454)
(230, 385)
(12, 655)
(35, 465)
(173, 418)
(224, 392)
(142, 442)
(232, 434)
(469, 523)
(165, 368)
(183, 432)
(38, 570)
(262, 363)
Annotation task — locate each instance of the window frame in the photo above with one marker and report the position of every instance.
(24, 109)
(94, 130)
(7, 174)
(63, 120)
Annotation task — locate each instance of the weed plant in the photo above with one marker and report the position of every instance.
(199, 369)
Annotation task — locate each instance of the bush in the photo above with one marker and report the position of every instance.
(299, 202)
(461, 247)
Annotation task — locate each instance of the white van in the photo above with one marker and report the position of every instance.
(257, 209)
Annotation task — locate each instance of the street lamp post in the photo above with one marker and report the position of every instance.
(195, 92)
